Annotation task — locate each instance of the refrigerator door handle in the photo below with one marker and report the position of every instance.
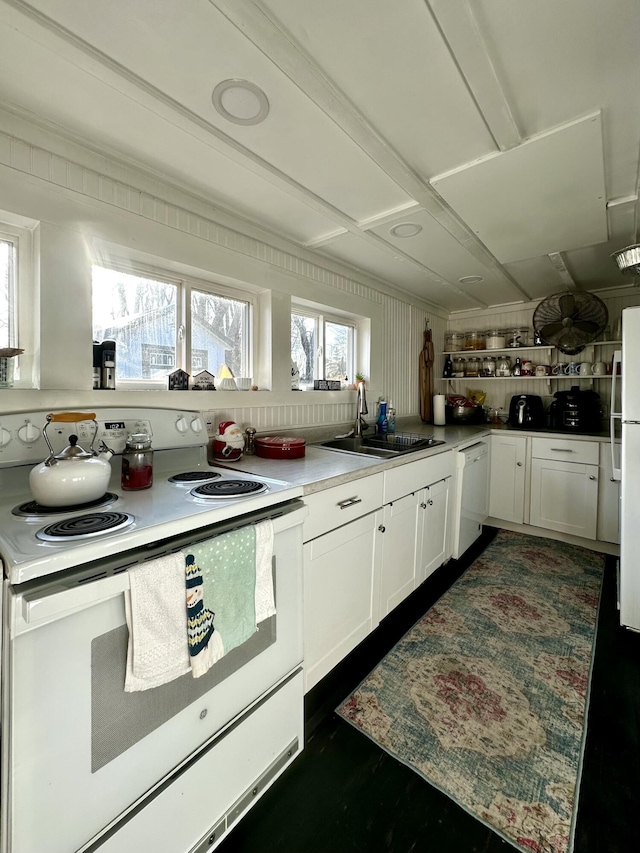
(617, 361)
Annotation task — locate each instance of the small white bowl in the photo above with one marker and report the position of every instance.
(243, 383)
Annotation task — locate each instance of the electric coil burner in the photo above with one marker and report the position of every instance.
(33, 508)
(221, 489)
(85, 526)
(189, 477)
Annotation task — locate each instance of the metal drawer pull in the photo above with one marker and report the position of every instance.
(562, 450)
(519, 464)
(592, 477)
(349, 502)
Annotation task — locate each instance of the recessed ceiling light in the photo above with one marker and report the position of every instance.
(240, 101)
(406, 229)
(470, 279)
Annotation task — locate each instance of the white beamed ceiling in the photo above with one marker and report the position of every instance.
(506, 131)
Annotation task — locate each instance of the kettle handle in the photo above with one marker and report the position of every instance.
(70, 417)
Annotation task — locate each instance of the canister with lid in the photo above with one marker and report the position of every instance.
(496, 339)
(503, 366)
(473, 366)
(459, 364)
(137, 462)
(474, 340)
(488, 366)
(454, 341)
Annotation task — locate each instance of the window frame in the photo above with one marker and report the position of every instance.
(185, 285)
(322, 317)
(20, 231)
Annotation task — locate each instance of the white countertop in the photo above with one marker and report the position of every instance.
(322, 468)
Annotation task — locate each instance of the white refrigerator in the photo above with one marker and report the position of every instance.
(628, 469)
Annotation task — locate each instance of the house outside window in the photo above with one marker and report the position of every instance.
(322, 347)
(154, 335)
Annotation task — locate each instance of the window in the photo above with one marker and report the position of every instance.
(155, 335)
(322, 347)
(7, 293)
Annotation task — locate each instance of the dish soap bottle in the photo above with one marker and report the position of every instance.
(382, 423)
(391, 418)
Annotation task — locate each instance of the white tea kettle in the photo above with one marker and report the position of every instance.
(73, 476)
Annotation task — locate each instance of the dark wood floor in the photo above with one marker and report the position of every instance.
(345, 794)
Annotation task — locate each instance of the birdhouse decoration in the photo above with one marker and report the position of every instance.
(179, 380)
(204, 381)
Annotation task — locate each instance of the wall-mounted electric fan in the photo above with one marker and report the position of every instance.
(570, 321)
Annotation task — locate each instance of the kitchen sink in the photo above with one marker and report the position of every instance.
(382, 446)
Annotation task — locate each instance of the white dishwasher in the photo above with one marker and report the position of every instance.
(472, 495)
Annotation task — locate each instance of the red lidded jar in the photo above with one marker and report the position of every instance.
(137, 463)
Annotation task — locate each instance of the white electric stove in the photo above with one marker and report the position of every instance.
(133, 764)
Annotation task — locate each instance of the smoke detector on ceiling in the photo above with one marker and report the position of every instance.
(240, 101)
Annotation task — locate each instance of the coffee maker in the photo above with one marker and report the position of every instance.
(104, 364)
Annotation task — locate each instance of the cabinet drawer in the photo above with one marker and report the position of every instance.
(416, 475)
(337, 506)
(565, 450)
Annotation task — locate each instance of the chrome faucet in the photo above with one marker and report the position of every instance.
(361, 410)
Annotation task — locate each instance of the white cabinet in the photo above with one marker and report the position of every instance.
(433, 534)
(397, 536)
(413, 533)
(507, 482)
(341, 592)
(608, 498)
(564, 494)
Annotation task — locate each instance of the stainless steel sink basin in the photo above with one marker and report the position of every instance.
(382, 446)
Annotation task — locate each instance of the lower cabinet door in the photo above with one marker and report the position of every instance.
(433, 529)
(564, 497)
(397, 546)
(340, 597)
(508, 456)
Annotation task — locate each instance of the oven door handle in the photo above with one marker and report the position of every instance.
(64, 601)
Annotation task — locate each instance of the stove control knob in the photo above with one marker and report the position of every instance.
(5, 437)
(196, 424)
(181, 425)
(28, 433)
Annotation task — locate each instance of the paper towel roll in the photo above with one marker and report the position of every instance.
(438, 410)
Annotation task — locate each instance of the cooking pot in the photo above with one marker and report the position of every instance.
(463, 414)
(280, 447)
(73, 476)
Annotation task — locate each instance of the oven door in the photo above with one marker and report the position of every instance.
(78, 752)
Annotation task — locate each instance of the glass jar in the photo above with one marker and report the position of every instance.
(503, 366)
(474, 340)
(488, 366)
(474, 365)
(454, 341)
(496, 339)
(137, 463)
(459, 365)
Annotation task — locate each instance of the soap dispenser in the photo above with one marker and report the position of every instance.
(382, 423)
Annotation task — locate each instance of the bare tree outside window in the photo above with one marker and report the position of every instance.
(219, 325)
(303, 345)
(7, 268)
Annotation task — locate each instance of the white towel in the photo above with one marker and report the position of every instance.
(265, 602)
(155, 609)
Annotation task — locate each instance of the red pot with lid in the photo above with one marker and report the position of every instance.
(280, 447)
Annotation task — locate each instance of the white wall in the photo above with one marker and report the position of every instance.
(500, 391)
(85, 206)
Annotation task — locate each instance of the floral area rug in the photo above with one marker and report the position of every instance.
(486, 695)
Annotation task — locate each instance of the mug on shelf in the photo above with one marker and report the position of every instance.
(557, 369)
(599, 368)
(572, 369)
(543, 369)
(585, 368)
